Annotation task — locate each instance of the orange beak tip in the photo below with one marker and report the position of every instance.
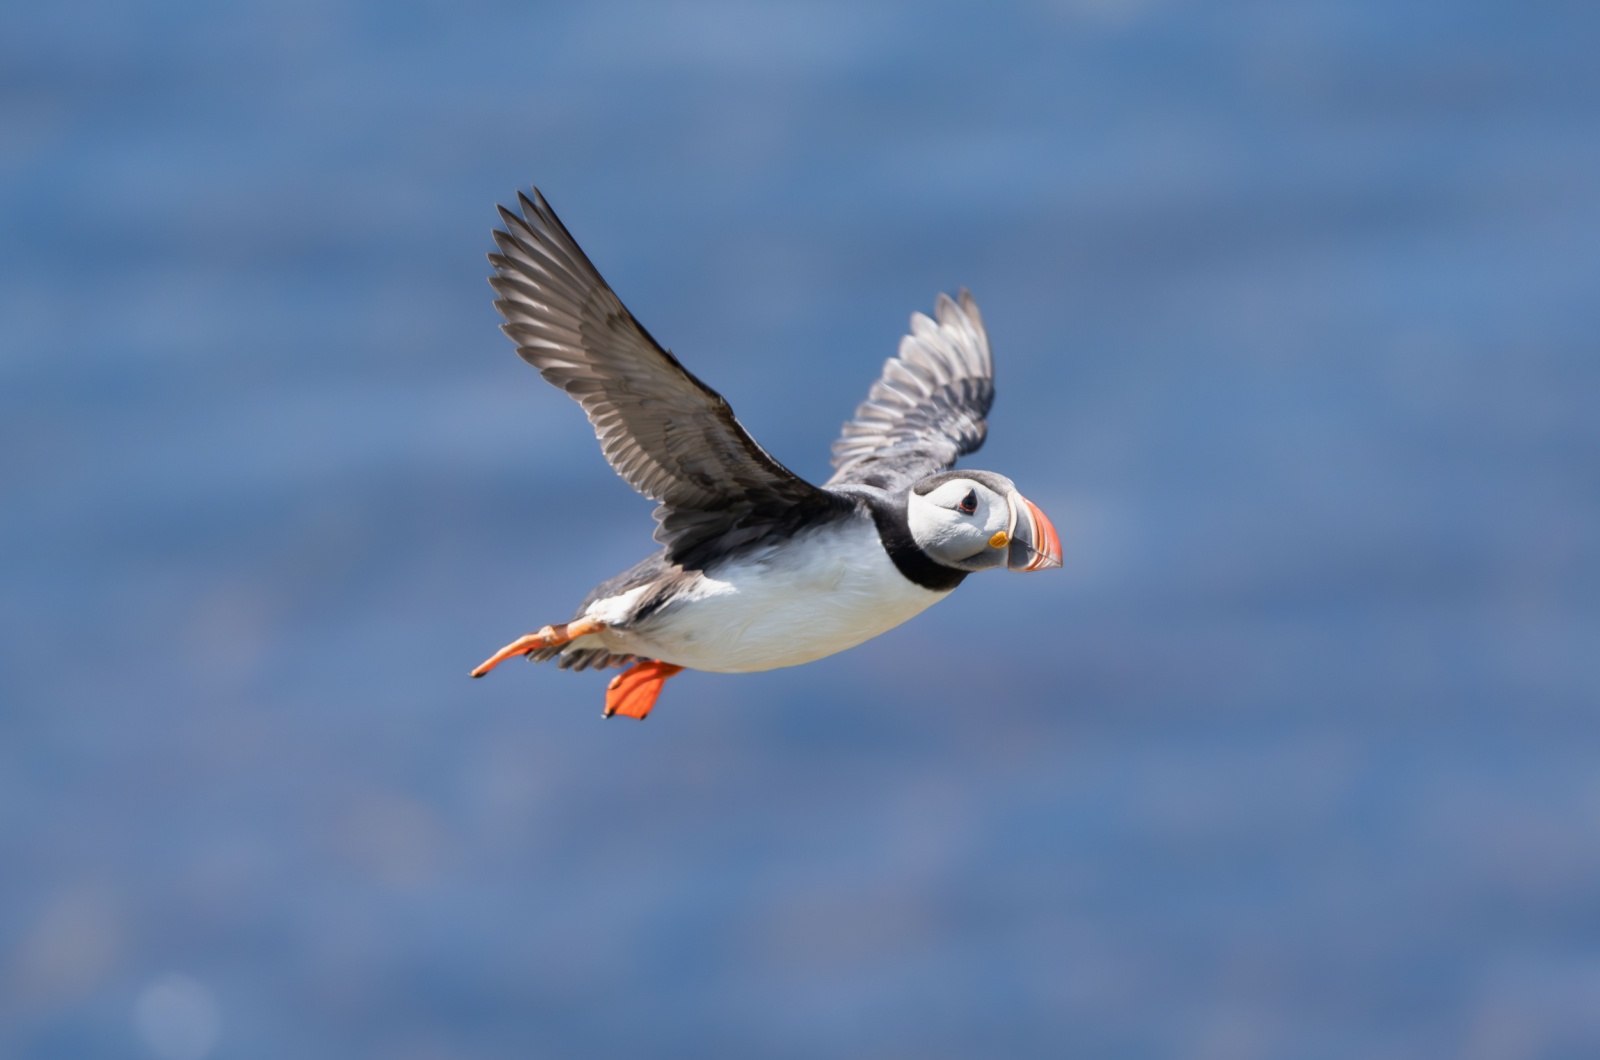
(1046, 542)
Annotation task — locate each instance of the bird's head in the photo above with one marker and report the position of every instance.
(975, 520)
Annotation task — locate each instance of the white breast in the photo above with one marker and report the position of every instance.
(815, 595)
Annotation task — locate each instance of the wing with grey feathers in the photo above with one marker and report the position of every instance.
(667, 434)
(929, 405)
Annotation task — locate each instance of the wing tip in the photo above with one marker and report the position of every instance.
(530, 207)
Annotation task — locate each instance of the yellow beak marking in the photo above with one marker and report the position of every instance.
(1000, 539)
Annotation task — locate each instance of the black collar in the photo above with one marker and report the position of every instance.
(889, 514)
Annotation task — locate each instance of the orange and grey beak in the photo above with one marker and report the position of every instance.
(1034, 544)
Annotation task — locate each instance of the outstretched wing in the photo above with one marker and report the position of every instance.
(929, 405)
(670, 436)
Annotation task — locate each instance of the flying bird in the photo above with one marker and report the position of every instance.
(759, 568)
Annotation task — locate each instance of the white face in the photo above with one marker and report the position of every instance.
(956, 521)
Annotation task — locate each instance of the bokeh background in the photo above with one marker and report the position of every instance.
(1295, 306)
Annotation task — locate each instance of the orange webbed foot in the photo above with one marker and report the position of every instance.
(633, 692)
(548, 637)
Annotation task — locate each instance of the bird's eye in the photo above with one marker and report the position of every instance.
(969, 503)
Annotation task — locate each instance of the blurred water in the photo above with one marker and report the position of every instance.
(1295, 310)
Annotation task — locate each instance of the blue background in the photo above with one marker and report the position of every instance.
(1295, 310)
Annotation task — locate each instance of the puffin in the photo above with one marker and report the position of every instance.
(759, 568)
